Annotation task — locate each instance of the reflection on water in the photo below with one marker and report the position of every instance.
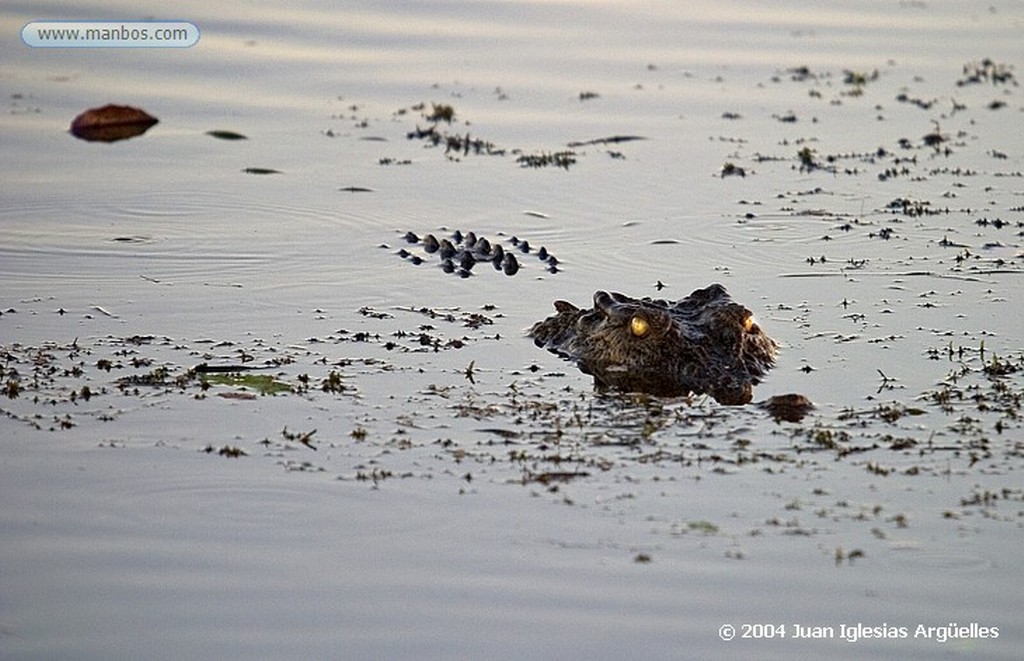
(469, 495)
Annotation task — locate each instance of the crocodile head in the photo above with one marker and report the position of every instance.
(703, 343)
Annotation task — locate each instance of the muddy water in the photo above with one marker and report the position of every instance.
(405, 475)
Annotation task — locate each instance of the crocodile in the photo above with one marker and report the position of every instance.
(460, 253)
(703, 343)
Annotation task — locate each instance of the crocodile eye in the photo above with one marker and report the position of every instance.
(749, 324)
(639, 326)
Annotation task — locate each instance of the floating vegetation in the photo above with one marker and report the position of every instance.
(455, 144)
(702, 527)
(902, 97)
(226, 451)
(261, 171)
(548, 478)
(913, 208)
(561, 159)
(732, 170)
(809, 161)
(611, 140)
(465, 318)
(376, 476)
(458, 145)
(555, 442)
(159, 377)
(333, 383)
(857, 80)
(935, 138)
(894, 163)
(801, 74)
(264, 384)
(303, 438)
(441, 112)
(849, 557)
(987, 71)
(226, 135)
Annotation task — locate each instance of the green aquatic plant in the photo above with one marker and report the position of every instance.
(987, 71)
(858, 79)
(333, 383)
(808, 160)
(264, 384)
(304, 437)
(228, 451)
(732, 170)
(702, 526)
(441, 112)
(562, 159)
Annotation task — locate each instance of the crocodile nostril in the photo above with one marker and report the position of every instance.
(603, 302)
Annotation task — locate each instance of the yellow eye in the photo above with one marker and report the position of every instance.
(639, 326)
(749, 324)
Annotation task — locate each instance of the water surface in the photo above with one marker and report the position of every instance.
(876, 234)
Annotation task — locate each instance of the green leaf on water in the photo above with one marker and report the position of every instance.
(705, 527)
(264, 384)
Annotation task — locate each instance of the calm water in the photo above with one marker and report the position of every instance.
(876, 233)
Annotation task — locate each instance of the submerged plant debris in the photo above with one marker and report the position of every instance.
(458, 145)
(562, 159)
(508, 426)
(226, 135)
